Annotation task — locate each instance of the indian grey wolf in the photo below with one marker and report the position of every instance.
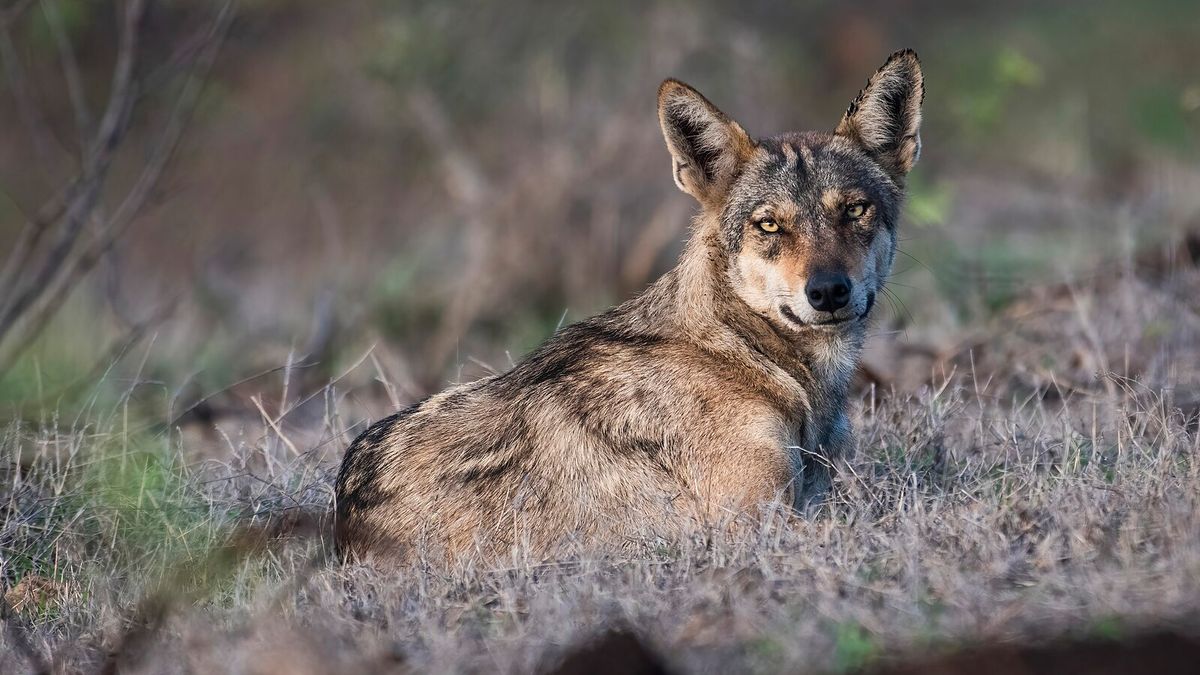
(722, 387)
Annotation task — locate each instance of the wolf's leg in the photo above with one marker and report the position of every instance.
(743, 478)
(817, 469)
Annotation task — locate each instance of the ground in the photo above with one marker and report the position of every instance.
(1042, 482)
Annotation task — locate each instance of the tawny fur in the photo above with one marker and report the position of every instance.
(692, 401)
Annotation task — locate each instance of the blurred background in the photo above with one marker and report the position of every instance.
(400, 194)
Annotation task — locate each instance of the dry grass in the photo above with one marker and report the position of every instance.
(1013, 496)
(346, 184)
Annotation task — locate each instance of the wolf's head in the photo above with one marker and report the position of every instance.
(806, 220)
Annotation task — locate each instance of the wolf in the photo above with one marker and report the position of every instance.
(721, 388)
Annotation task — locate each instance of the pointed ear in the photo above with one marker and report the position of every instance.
(885, 119)
(706, 146)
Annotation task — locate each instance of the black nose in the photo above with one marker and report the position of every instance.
(828, 291)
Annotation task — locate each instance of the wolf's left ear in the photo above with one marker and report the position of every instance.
(885, 119)
(706, 146)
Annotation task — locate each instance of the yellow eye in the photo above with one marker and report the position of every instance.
(768, 226)
(856, 210)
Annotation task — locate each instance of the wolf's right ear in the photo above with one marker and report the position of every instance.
(706, 146)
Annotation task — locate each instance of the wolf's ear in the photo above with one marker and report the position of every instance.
(885, 119)
(706, 146)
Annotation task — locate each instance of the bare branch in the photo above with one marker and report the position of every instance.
(31, 235)
(181, 114)
(70, 67)
(116, 115)
(70, 269)
(97, 160)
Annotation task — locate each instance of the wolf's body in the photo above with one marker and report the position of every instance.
(721, 387)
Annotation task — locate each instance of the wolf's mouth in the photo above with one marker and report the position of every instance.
(791, 316)
(800, 323)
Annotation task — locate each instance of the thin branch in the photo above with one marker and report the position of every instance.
(31, 236)
(116, 115)
(37, 226)
(80, 265)
(187, 53)
(70, 67)
(181, 115)
(97, 160)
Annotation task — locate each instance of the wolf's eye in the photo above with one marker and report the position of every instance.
(768, 225)
(856, 210)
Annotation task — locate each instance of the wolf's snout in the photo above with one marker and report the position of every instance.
(828, 291)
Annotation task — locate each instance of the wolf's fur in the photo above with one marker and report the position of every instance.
(715, 390)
